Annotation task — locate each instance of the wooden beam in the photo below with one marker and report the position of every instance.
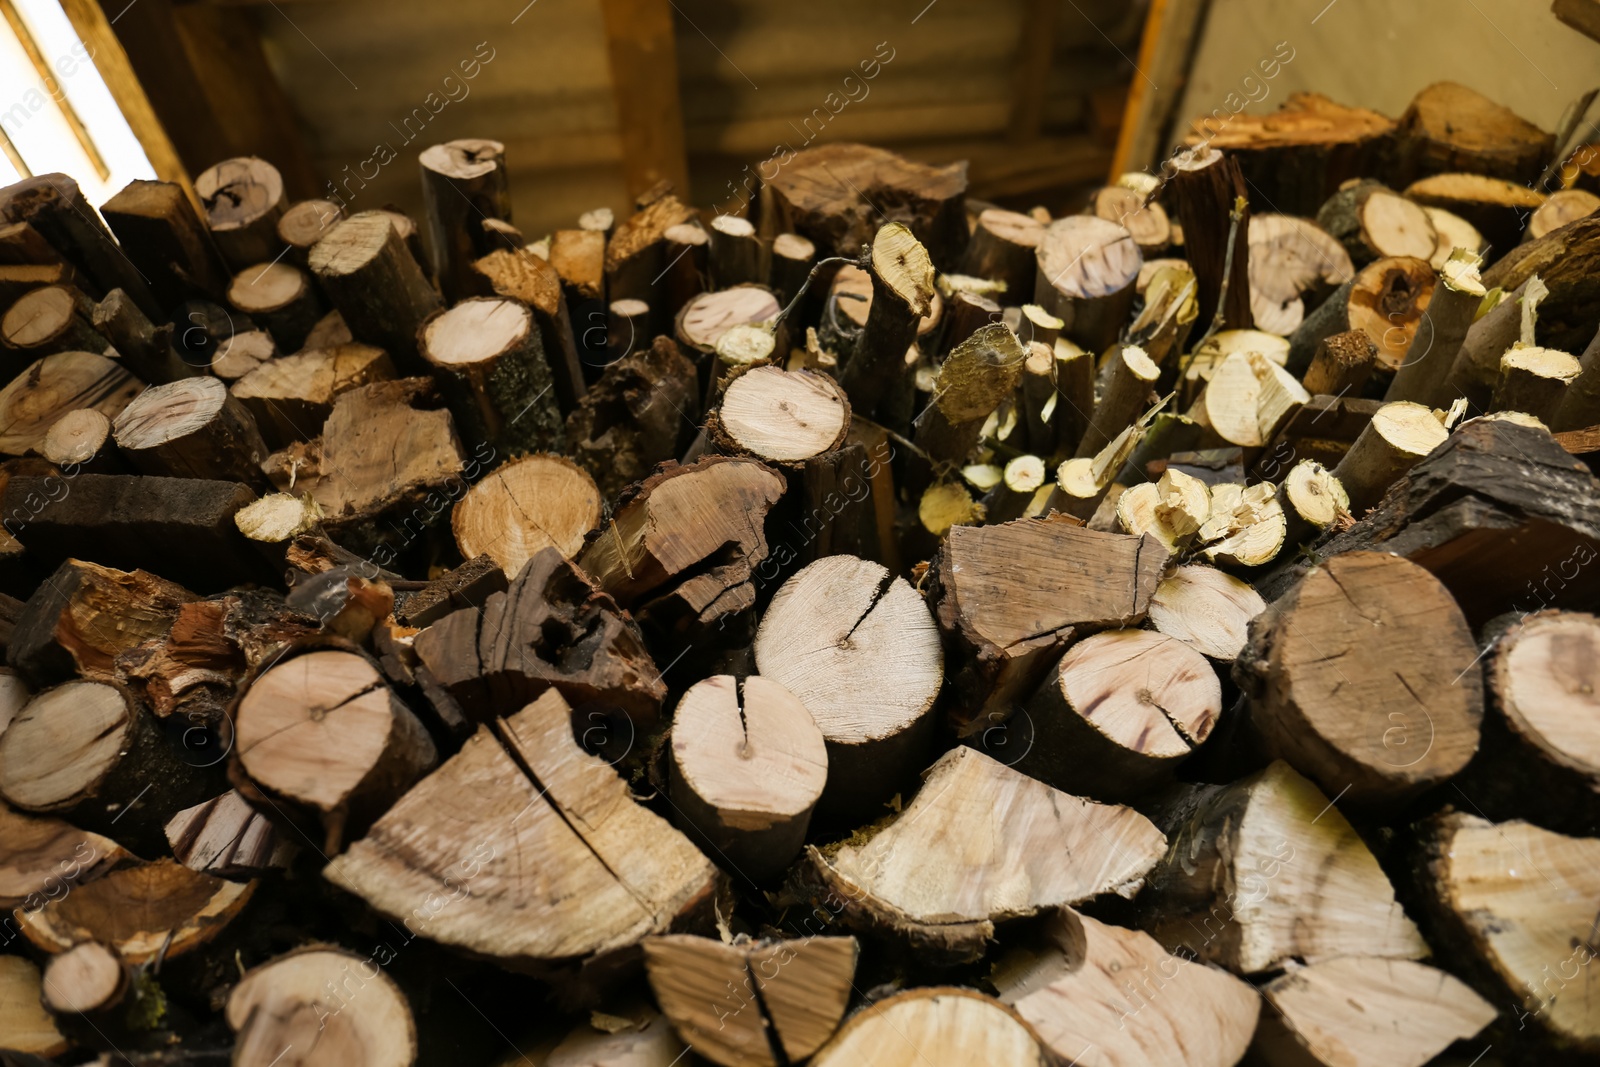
(116, 70)
(1036, 47)
(644, 77)
(1581, 15)
(41, 67)
(1165, 52)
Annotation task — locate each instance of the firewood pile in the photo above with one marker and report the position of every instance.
(877, 628)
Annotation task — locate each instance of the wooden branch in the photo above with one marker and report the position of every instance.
(1424, 374)
(1207, 186)
(902, 292)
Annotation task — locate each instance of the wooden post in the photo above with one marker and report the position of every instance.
(644, 76)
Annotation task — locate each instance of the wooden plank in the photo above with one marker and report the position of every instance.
(1165, 51)
(644, 78)
(41, 67)
(1035, 49)
(116, 70)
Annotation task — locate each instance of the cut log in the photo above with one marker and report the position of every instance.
(1372, 221)
(704, 319)
(1267, 870)
(1424, 374)
(324, 734)
(486, 352)
(858, 648)
(159, 231)
(1386, 300)
(752, 1003)
(226, 837)
(371, 277)
(1147, 221)
(243, 200)
(780, 416)
(737, 255)
(552, 627)
(526, 277)
(638, 414)
(1086, 273)
(1294, 158)
(1343, 363)
(145, 348)
(636, 253)
(81, 440)
(1172, 509)
(87, 979)
(280, 298)
(292, 397)
(1515, 907)
(55, 318)
(1561, 207)
(680, 551)
(1213, 208)
(304, 224)
(53, 205)
(1497, 208)
(902, 293)
(1454, 232)
(748, 765)
(1010, 597)
(937, 1026)
(579, 259)
(1398, 436)
(1128, 391)
(240, 354)
(29, 1030)
(980, 374)
(627, 327)
(831, 194)
(1449, 127)
(965, 315)
(464, 186)
(1206, 609)
(1313, 500)
(43, 858)
(1533, 381)
(327, 1004)
(1247, 400)
(141, 912)
(191, 428)
(525, 506)
(1294, 263)
(566, 865)
(793, 258)
(1365, 1012)
(983, 854)
(1002, 250)
(1567, 262)
(1087, 987)
(1365, 632)
(88, 752)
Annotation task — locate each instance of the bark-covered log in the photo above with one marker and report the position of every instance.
(143, 347)
(169, 243)
(1497, 208)
(1423, 376)
(54, 206)
(464, 186)
(1386, 300)
(55, 318)
(1002, 250)
(902, 293)
(304, 224)
(1567, 261)
(1086, 269)
(1372, 221)
(281, 298)
(523, 276)
(640, 412)
(487, 353)
(192, 428)
(1449, 127)
(367, 272)
(1213, 208)
(243, 200)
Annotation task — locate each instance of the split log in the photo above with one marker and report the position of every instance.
(1372, 221)
(1385, 300)
(1119, 713)
(524, 506)
(856, 645)
(324, 1001)
(280, 298)
(1267, 870)
(84, 616)
(936, 1026)
(1002, 250)
(464, 187)
(54, 206)
(748, 765)
(983, 855)
(243, 200)
(240, 354)
(1292, 261)
(292, 397)
(1497, 208)
(88, 752)
(1127, 392)
(1085, 985)
(1294, 158)
(226, 837)
(980, 374)
(783, 417)
(830, 194)
(367, 272)
(551, 628)
(43, 858)
(1567, 261)
(1009, 598)
(1515, 912)
(1086, 269)
(54, 318)
(1365, 632)
(523, 276)
(143, 347)
(1246, 528)
(638, 414)
(1171, 509)
(1449, 127)
(796, 993)
(1206, 609)
(324, 736)
(1533, 381)
(579, 260)
(191, 428)
(1342, 364)
(1423, 375)
(160, 232)
(29, 1030)
(681, 549)
(1362, 1012)
(1398, 436)
(304, 224)
(567, 865)
(487, 354)
(1213, 208)
(1247, 400)
(902, 293)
